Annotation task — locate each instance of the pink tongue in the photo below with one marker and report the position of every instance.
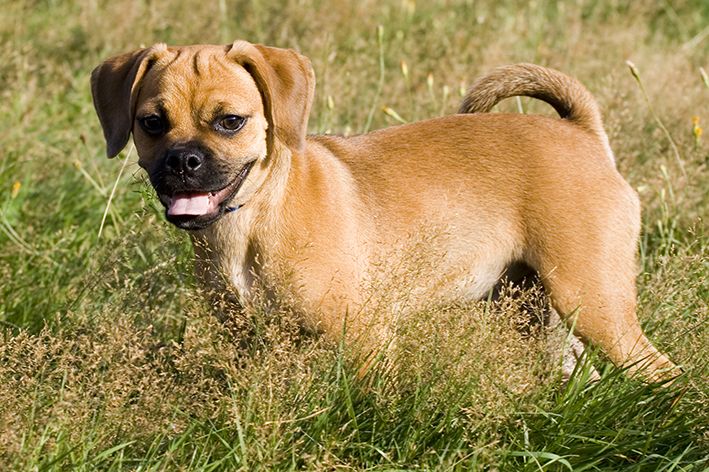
(190, 204)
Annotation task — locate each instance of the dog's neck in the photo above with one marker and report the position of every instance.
(234, 250)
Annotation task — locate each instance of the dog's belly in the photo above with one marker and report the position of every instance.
(479, 286)
(478, 281)
(444, 263)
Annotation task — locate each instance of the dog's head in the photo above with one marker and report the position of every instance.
(203, 118)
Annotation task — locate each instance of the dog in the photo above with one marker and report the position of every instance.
(222, 134)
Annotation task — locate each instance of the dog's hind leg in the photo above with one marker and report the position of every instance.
(596, 296)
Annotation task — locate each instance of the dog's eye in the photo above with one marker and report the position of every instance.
(152, 125)
(232, 123)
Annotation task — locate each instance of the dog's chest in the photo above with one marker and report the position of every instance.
(224, 259)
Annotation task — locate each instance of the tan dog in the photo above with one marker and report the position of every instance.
(221, 131)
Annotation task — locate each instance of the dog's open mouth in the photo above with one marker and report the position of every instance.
(196, 203)
(199, 209)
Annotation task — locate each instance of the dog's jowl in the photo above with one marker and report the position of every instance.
(221, 132)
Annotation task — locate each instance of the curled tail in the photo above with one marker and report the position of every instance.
(568, 96)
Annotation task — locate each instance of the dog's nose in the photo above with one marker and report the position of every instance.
(184, 161)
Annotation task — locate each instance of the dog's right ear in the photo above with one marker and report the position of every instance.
(114, 86)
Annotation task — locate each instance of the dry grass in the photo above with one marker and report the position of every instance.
(110, 359)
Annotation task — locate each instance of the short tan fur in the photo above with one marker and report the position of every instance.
(325, 216)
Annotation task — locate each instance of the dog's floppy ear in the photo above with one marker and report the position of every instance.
(287, 84)
(114, 85)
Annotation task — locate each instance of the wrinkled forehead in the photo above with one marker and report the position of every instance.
(196, 77)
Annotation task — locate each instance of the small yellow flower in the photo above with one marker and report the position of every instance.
(15, 190)
(696, 131)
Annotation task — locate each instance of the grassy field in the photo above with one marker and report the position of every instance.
(111, 360)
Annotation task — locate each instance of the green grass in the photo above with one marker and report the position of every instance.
(111, 360)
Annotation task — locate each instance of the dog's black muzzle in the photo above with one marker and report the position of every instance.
(194, 189)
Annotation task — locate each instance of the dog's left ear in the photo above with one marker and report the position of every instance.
(287, 84)
(114, 86)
